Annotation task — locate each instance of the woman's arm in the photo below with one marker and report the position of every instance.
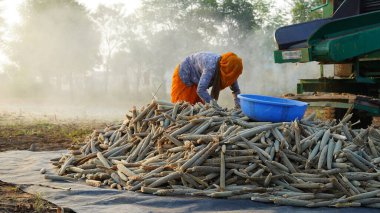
(203, 84)
(235, 92)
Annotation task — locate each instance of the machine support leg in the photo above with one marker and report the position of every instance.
(322, 70)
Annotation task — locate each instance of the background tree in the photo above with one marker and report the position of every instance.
(112, 25)
(301, 10)
(56, 45)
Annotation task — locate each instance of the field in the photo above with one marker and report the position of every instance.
(20, 132)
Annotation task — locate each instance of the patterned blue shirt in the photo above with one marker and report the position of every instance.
(199, 69)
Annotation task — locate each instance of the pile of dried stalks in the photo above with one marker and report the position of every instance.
(180, 149)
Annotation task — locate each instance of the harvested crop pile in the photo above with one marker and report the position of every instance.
(204, 150)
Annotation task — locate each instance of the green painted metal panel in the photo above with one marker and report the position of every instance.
(372, 110)
(330, 104)
(345, 26)
(300, 89)
(348, 46)
(328, 10)
(338, 86)
(373, 55)
(292, 56)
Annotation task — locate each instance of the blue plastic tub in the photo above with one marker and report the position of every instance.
(272, 109)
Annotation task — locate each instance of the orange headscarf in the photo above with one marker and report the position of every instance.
(231, 67)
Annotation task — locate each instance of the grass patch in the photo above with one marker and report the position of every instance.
(75, 132)
(40, 205)
(48, 134)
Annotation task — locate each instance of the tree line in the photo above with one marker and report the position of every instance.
(63, 49)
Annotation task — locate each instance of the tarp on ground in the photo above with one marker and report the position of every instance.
(22, 167)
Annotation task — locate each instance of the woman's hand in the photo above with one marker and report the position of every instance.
(215, 104)
(237, 103)
(236, 100)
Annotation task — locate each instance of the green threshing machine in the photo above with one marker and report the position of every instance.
(347, 36)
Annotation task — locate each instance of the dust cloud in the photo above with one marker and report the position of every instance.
(67, 60)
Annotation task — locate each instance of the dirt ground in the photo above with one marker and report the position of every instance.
(41, 133)
(13, 199)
